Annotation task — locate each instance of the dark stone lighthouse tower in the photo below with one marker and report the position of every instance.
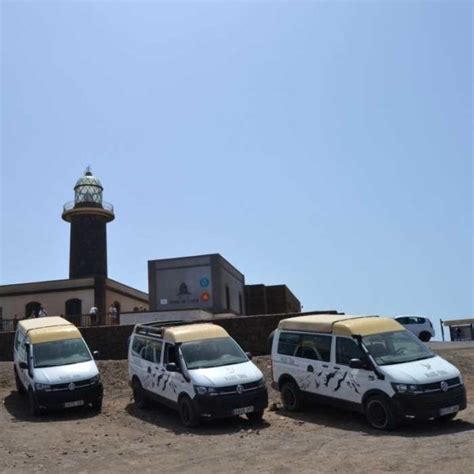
(88, 215)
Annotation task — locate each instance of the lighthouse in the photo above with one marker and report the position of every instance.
(88, 215)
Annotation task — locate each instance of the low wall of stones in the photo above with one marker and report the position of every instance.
(251, 332)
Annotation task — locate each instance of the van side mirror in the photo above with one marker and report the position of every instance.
(249, 355)
(96, 354)
(356, 364)
(23, 365)
(172, 367)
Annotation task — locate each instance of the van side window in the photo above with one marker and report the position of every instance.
(307, 346)
(147, 349)
(138, 344)
(347, 349)
(153, 351)
(314, 347)
(287, 343)
(171, 355)
(19, 340)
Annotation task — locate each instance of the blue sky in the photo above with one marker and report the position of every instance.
(325, 145)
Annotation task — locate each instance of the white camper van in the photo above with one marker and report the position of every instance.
(365, 363)
(197, 369)
(54, 366)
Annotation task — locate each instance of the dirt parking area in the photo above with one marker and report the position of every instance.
(321, 439)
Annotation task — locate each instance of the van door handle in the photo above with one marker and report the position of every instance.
(149, 370)
(325, 366)
(337, 368)
(310, 368)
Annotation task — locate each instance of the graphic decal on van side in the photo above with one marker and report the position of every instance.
(339, 382)
(338, 377)
(329, 377)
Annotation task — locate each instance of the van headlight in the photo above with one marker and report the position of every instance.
(407, 388)
(42, 386)
(201, 390)
(96, 379)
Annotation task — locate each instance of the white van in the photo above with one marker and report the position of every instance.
(365, 363)
(197, 369)
(54, 366)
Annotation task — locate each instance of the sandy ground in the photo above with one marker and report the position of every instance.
(123, 438)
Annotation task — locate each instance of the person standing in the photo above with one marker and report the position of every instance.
(42, 313)
(113, 314)
(93, 314)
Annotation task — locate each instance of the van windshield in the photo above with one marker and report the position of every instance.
(212, 353)
(396, 348)
(56, 353)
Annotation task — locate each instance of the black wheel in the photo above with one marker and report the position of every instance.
(445, 418)
(379, 413)
(33, 406)
(19, 386)
(425, 336)
(255, 416)
(97, 405)
(187, 413)
(139, 395)
(291, 396)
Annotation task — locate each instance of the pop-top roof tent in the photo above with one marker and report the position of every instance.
(181, 331)
(52, 328)
(341, 325)
(194, 332)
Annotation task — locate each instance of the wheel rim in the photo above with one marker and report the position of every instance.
(378, 414)
(289, 397)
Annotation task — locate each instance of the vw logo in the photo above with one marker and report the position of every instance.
(240, 389)
(71, 386)
(444, 386)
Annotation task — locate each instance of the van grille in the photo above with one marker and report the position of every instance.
(78, 384)
(436, 386)
(233, 388)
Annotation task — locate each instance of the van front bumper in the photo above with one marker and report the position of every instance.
(429, 405)
(57, 399)
(222, 406)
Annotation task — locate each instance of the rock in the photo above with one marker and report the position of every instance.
(274, 407)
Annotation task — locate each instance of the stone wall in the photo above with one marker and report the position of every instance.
(251, 332)
(6, 345)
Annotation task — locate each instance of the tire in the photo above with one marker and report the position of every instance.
(139, 395)
(19, 386)
(97, 405)
(291, 396)
(187, 413)
(255, 416)
(379, 413)
(446, 418)
(425, 336)
(33, 406)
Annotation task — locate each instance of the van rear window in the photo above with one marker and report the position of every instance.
(306, 346)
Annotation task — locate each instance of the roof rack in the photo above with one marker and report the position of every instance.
(156, 328)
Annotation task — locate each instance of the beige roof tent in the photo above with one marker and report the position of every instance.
(341, 324)
(194, 332)
(53, 328)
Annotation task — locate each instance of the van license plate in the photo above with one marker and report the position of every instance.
(78, 403)
(448, 410)
(242, 411)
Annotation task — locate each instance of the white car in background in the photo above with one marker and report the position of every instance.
(421, 327)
